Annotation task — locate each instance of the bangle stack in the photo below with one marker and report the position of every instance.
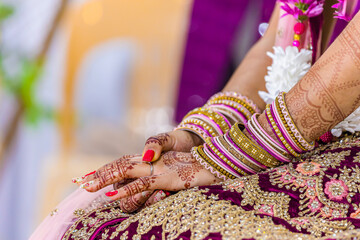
(217, 116)
(234, 154)
(265, 141)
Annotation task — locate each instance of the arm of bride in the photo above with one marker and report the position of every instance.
(247, 80)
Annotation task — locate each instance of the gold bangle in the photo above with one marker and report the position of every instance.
(278, 133)
(203, 155)
(234, 99)
(217, 118)
(203, 124)
(259, 132)
(250, 148)
(287, 127)
(238, 155)
(225, 111)
(310, 146)
(222, 157)
(236, 106)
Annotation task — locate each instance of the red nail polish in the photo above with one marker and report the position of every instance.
(167, 193)
(148, 156)
(89, 174)
(109, 194)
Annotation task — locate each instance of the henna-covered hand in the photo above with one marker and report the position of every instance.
(179, 140)
(173, 171)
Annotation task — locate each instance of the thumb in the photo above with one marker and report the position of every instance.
(155, 145)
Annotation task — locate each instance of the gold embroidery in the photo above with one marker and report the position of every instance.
(357, 158)
(193, 211)
(124, 236)
(54, 212)
(79, 212)
(105, 235)
(271, 203)
(93, 219)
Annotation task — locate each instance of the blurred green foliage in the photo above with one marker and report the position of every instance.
(5, 11)
(23, 84)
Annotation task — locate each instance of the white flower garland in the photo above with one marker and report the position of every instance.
(288, 67)
(350, 124)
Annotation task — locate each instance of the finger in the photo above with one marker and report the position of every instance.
(133, 203)
(155, 145)
(122, 183)
(90, 176)
(157, 196)
(79, 180)
(140, 185)
(117, 171)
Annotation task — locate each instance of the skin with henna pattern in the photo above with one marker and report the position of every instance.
(160, 139)
(135, 202)
(114, 170)
(186, 170)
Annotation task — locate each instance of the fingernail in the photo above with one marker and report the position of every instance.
(167, 193)
(89, 174)
(87, 184)
(77, 180)
(148, 156)
(110, 194)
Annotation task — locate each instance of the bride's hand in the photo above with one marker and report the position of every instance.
(179, 141)
(173, 171)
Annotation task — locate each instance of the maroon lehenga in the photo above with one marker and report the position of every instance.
(315, 197)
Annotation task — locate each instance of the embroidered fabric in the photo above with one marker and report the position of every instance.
(315, 197)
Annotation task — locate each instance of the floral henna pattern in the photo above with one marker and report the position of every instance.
(159, 139)
(185, 165)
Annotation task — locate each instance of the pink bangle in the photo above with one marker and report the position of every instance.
(230, 157)
(267, 136)
(268, 114)
(208, 151)
(206, 165)
(283, 129)
(208, 120)
(238, 150)
(269, 144)
(240, 116)
(198, 130)
(291, 124)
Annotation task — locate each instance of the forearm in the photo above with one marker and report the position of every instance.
(248, 78)
(330, 91)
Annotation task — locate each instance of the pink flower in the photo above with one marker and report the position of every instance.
(302, 9)
(267, 209)
(315, 205)
(344, 9)
(355, 214)
(336, 189)
(308, 168)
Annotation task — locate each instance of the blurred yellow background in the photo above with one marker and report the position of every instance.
(110, 76)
